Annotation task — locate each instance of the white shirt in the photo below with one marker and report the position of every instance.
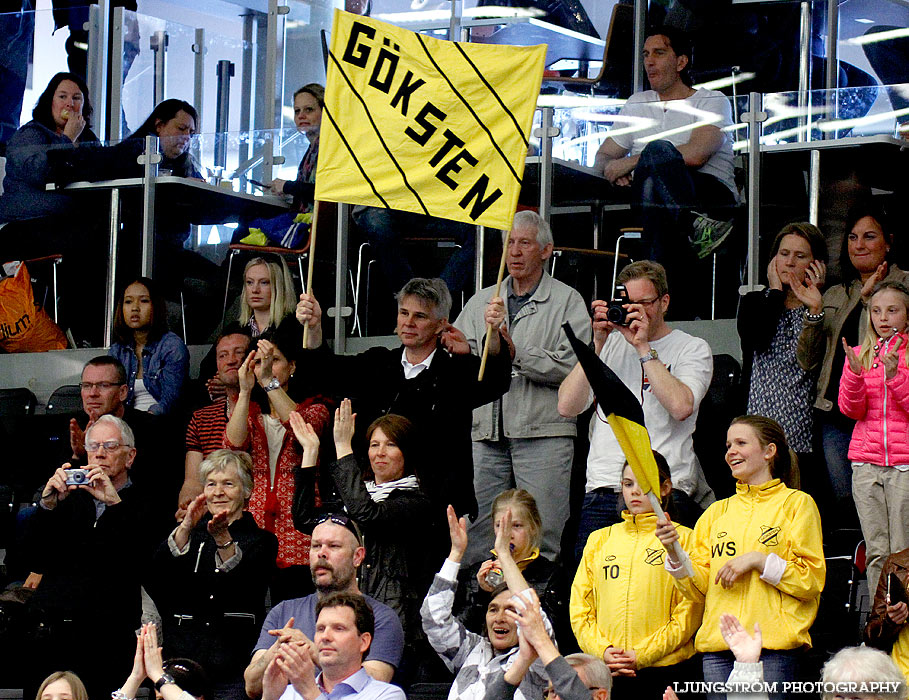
(143, 399)
(661, 117)
(411, 371)
(690, 361)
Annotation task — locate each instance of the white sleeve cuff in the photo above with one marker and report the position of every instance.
(774, 568)
(172, 545)
(677, 571)
(450, 570)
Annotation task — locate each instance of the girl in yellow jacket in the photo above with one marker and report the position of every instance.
(756, 555)
(625, 610)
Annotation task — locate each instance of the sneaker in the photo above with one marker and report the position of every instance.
(708, 234)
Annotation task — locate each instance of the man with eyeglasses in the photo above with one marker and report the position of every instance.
(92, 541)
(336, 550)
(159, 460)
(669, 371)
(520, 439)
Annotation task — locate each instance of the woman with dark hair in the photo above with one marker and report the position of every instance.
(385, 499)
(259, 424)
(865, 260)
(156, 360)
(61, 119)
(758, 552)
(174, 122)
(646, 639)
(211, 574)
(769, 323)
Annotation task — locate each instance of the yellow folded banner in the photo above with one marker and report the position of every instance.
(424, 125)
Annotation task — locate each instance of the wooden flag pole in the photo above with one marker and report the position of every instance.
(312, 259)
(498, 291)
(676, 546)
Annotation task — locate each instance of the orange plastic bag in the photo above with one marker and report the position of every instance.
(24, 327)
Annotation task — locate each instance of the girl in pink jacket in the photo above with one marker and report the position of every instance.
(874, 391)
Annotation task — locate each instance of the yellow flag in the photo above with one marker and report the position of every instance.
(424, 125)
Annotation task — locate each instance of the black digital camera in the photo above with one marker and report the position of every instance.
(616, 312)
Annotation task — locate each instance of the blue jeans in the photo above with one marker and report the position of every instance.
(541, 466)
(385, 230)
(779, 666)
(836, 450)
(665, 193)
(16, 32)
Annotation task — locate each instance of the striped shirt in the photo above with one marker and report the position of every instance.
(205, 432)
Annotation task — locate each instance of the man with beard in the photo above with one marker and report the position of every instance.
(335, 553)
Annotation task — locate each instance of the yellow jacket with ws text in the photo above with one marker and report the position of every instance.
(622, 596)
(773, 519)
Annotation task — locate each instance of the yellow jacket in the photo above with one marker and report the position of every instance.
(622, 597)
(772, 519)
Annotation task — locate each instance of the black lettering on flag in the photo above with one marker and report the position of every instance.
(477, 192)
(385, 57)
(378, 133)
(451, 140)
(359, 58)
(452, 166)
(428, 128)
(476, 117)
(405, 90)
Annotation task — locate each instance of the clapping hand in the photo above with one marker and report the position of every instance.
(307, 437)
(457, 531)
(852, 358)
(345, 425)
(246, 373)
(879, 274)
(891, 359)
(745, 648)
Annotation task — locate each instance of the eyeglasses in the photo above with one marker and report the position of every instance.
(104, 386)
(109, 445)
(645, 302)
(343, 521)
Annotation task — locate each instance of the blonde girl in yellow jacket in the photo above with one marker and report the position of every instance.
(625, 609)
(757, 555)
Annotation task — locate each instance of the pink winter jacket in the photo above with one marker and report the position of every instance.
(881, 407)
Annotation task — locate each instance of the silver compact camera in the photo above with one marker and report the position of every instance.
(76, 477)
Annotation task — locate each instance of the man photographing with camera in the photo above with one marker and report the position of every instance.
(92, 541)
(669, 371)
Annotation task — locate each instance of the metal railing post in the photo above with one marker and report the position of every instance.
(753, 117)
(149, 160)
(222, 119)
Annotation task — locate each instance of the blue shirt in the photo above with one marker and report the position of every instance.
(359, 685)
(165, 367)
(387, 642)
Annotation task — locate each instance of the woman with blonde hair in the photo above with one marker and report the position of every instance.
(268, 294)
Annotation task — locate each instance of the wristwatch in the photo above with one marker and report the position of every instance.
(651, 355)
(272, 385)
(164, 680)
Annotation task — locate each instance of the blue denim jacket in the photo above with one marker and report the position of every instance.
(166, 367)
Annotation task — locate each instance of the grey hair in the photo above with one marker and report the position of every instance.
(433, 292)
(863, 664)
(126, 433)
(596, 672)
(222, 461)
(527, 218)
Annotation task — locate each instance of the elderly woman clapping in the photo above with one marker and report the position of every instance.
(211, 574)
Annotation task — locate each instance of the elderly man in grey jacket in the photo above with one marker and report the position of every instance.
(521, 440)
